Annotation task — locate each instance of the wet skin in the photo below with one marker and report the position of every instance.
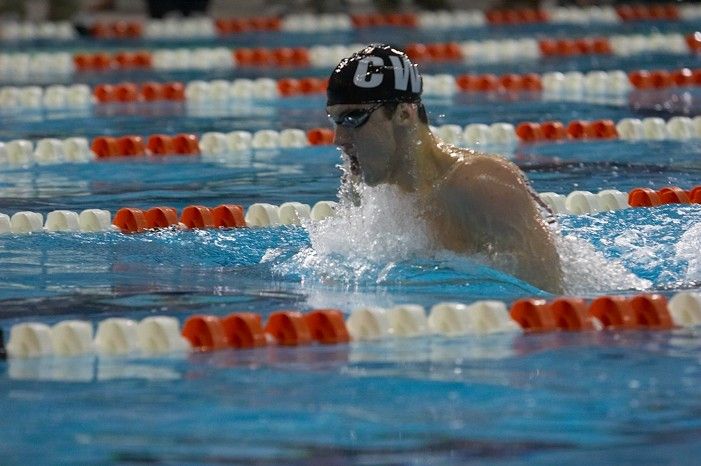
(476, 203)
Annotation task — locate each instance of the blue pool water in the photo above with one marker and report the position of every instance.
(602, 397)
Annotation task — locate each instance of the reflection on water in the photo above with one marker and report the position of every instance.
(33, 184)
(88, 369)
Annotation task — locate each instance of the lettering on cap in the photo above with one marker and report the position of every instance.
(404, 73)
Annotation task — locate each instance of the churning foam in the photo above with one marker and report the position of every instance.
(362, 242)
(687, 249)
(586, 270)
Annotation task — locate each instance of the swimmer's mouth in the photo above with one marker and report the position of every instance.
(354, 164)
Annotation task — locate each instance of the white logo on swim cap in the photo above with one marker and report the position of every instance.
(364, 79)
(404, 73)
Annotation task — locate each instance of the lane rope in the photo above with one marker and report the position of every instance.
(158, 335)
(22, 66)
(497, 137)
(569, 85)
(134, 220)
(192, 28)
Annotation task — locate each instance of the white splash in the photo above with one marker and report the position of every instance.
(363, 243)
(385, 226)
(687, 250)
(586, 270)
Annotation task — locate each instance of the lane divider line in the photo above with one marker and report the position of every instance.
(179, 28)
(25, 65)
(497, 137)
(134, 220)
(569, 85)
(244, 330)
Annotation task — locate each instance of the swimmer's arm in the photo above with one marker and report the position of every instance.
(494, 203)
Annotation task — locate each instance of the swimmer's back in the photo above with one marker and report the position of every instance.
(492, 207)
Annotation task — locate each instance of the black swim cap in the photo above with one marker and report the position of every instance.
(378, 73)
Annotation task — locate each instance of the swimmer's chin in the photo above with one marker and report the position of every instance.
(369, 181)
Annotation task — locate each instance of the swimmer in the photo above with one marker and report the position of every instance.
(473, 202)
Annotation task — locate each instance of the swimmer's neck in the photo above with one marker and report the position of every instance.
(424, 160)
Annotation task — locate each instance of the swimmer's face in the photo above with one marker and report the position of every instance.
(364, 133)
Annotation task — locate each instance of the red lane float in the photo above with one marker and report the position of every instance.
(205, 333)
(130, 60)
(579, 129)
(228, 216)
(571, 47)
(320, 136)
(614, 312)
(104, 93)
(647, 197)
(533, 315)
(673, 195)
(131, 145)
(381, 20)
(289, 86)
(197, 216)
(156, 144)
(564, 313)
(643, 197)
(648, 12)
(161, 217)
(313, 85)
(160, 144)
(152, 91)
(486, 82)
(529, 131)
(693, 41)
(126, 92)
(651, 311)
(131, 92)
(449, 51)
(500, 17)
(571, 314)
(174, 91)
(683, 77)
(327, 326)
(508, 82)
(603, 129)
(102, 61)
(186, 144)
(228, 26)
(130, 220)
(574, 314)
(695, 195)
(105, 146)
(116, 29)
(553, 130)
(284, 56)
(243, 330)
(288, 328)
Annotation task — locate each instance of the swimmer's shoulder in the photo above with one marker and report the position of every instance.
(471, 165)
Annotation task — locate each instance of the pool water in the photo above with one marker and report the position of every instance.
(603, 397)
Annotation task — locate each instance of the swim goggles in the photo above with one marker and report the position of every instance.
(356, 118)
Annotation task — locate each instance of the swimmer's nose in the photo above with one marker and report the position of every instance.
(340, 137)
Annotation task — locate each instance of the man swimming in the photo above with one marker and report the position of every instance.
(474, 203)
